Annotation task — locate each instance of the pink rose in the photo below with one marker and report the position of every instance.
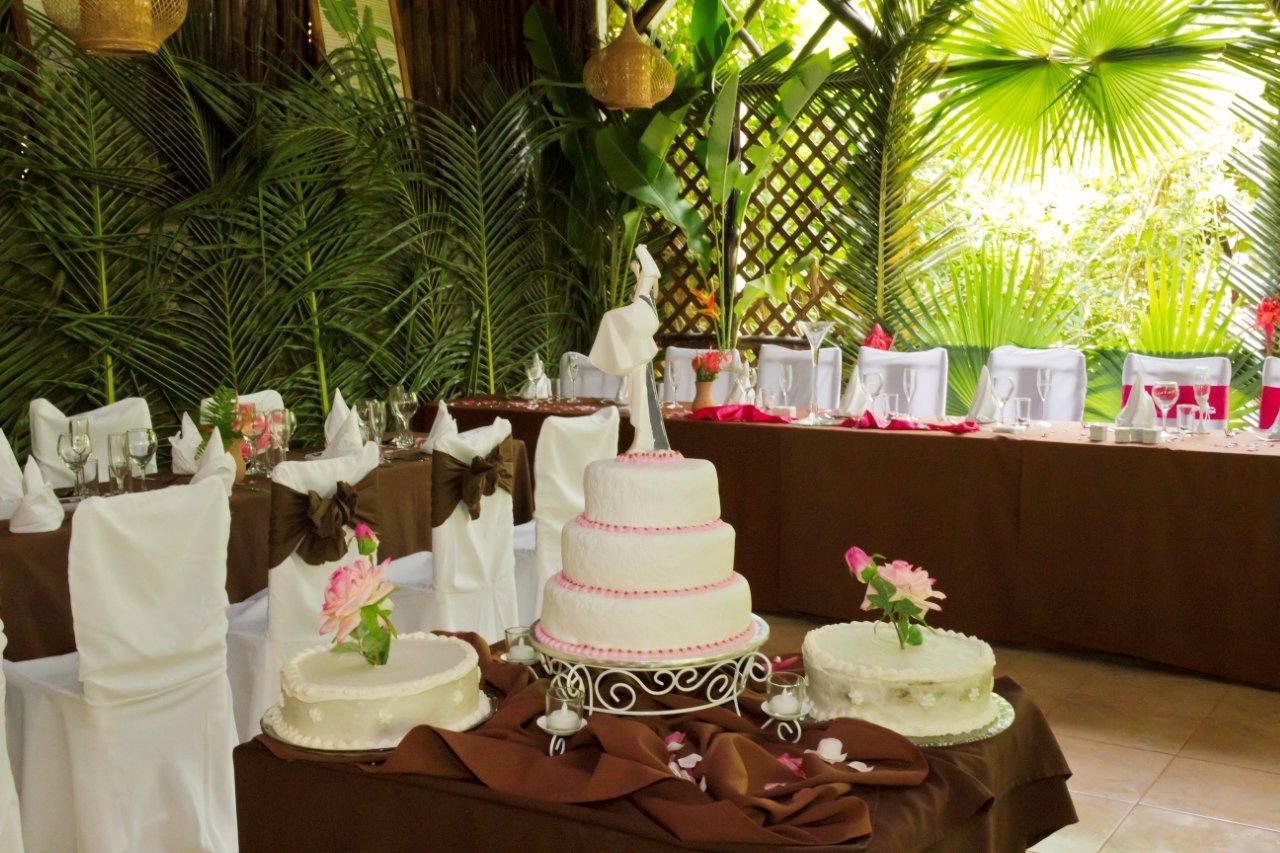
(911, 584)
(857, 560)
(366, 539)
(350, 589)
(363, 531)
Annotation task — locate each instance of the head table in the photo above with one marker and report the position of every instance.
(1165, 553)
(496, 788)
(35, 603)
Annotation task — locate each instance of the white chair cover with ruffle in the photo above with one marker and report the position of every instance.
(681, 385)
(1183, 371)
(773, 357)
(930, 399)
(126, 744)
(1070, 379)
(48, 422)
(590, 381)
(10, 812)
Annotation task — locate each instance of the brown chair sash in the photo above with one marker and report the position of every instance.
(454, 481)
(316, 527)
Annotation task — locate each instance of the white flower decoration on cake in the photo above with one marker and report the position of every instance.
(856, 697)
(457, 697)
(973, 694)
(315, 715)
(384, 718)
(928, 700)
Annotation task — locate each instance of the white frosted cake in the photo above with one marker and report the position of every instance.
(338, 701)
(648, 567)
(857, 669)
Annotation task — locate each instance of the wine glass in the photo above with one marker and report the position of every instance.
(118, 462)
(873, 383)
(814, 332)
(1001, 390)
(1200, 388)
(257, 422)
(571, 368)
(1165, 394)
(909, 380)
(74, 451)
(142, 447)
(786, 378)
(404, 404)
(375, 417)
(1044, 384)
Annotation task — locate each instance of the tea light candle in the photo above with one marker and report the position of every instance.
(785, 704)
(521, 653)
(830, 749)
(563, 719)
(518, 648)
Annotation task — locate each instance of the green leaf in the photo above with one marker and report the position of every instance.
(709, 34)
(914, 636)
(722, 168)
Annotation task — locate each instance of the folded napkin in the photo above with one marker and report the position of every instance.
(347, 440)
(983, 409)
(216, 462)
(1139, 410)
(536, 386)
(336, 419)
(10, 479)
(39, 510)
(738, 414)
(443, 425)
(741, 392)
(185, 444)
(869, 421)
(855, 400)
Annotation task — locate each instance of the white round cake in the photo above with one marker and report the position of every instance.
(338, 701)
(943, 687)
(648, 567)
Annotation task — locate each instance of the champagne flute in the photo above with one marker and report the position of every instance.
(1001, 390)
(118, 462)
(814, 332)
(142, 447)
(909, 379)
(1044, 384)
(1165, 394)
(74, 451)
(571, 368)
(786, 378)
(1200, 388)
(375, 415)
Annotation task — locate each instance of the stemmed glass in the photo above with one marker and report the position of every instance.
(74, 450)
(1165, 394)
(1200, 388)
(571, 368)
(814, 332)
(404, 405)
(258, 422)
(909, 381)
(1044, 384)
(375, 417)
(142, 447)
(786, 378)
(873, 383)
(118, 462)
(1001, 390)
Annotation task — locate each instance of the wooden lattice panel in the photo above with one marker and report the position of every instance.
(786, 221)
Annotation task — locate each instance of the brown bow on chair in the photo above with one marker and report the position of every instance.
(454, 481)
(317, 527)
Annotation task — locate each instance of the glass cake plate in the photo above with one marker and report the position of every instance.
(1004, 719)
(369, 755)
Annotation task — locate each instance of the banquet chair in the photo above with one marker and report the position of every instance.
(681, 385)
(269, 628)
(48, 422)
(10, 811)
(591, 381)
(263, 401)
(773, 357)
(1065, 401)
(1270, 403)
(1182, 371)
(930, 399)
(566, 446)
(125, 744)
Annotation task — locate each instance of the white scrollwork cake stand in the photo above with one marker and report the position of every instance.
(616, 686)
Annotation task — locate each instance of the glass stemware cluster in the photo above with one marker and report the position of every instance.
(75, 449)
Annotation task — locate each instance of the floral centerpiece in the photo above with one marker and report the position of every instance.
(902, 593)
(357, 609)
(224, 412)
(1268, 316)
(706, 367)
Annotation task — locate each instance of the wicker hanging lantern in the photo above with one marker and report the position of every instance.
(628, 73)
(117, 27)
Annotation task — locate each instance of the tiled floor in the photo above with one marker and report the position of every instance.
(1162, 761)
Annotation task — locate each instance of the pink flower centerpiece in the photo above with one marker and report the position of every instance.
(357, 609)
(903, 593)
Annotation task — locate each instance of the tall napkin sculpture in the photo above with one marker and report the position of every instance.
(624, 346)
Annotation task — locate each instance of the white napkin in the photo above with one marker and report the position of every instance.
(983, 409)
(855, 401)
(39, 511)
(536, 386)
(1140, 410)
(186, 444)
(740, 393)
(443, 425)
(10, 479)
(347, 440)
(216, 462)
(337, 418)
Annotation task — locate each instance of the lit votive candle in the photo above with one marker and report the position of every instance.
(562, 719)
(518, 648)
(785, 705)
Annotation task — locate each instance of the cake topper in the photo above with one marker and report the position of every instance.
(624, 346)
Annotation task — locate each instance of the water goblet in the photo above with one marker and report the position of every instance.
(1165, 394)
(1001, 391)
(74, 451)
(814, 332)
(873, 384)
(1044, 384)
(404, 405)
(142, 448)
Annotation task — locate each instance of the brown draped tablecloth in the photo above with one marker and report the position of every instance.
(35, 603)
(1164, 553)
(497, 789)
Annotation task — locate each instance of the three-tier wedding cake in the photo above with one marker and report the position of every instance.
(648, 567)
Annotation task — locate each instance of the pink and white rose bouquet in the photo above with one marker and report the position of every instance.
(357, 609)
(903, 593)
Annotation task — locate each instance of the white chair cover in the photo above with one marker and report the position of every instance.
(931, 377)
(681, 384)
(565, 447)
(48, 422)
(263, 401)
(1182, 371)
(1070, 379)
(772, 357)
(136, 753)
(591, 381)
(1270, 404)
(10, 813)
(474, 559)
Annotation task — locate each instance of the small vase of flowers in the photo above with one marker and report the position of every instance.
(357, 610)
(224, 412)
(706, 367)
(903, 593)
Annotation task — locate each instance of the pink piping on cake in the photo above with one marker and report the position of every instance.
(630, 654)
(650, 457)
(641, 593)
(626, 528)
